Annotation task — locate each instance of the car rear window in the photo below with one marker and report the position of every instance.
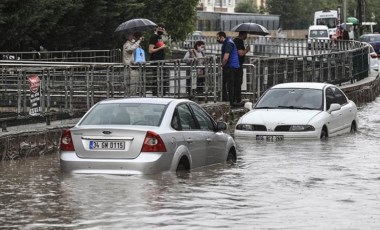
(125, 114)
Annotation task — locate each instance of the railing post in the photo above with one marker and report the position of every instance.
(4, 126)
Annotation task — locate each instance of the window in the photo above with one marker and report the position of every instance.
(187, 121)
(339, 96)
(125, 114)
(329, 97)
(204, 121)
(176, 122)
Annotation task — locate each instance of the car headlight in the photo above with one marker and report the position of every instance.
(250, 127)
(301, 128)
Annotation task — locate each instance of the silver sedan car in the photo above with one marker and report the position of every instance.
(144, 136)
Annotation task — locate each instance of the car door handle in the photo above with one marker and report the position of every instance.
(189, 140)
(208, 139)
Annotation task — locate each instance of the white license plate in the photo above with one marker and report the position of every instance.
(113, 145)
(269, 137)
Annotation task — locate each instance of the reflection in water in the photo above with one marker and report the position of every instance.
(332, 184)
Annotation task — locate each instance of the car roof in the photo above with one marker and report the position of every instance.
(370, 35)
(146, 100)
(302, 85)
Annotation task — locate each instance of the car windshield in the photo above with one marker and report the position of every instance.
(291, 99)
(125, 114)
(319, 33)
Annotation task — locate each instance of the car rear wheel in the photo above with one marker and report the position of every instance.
(183, 165)
(231, 158)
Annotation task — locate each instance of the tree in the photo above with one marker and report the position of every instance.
(246, 6)
(293, 13)
(85, 24)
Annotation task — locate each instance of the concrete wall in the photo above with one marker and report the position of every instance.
(22, 144)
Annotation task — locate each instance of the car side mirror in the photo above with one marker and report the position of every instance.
(306, 36)
(334, 107)
(220, 126)
(248, 105)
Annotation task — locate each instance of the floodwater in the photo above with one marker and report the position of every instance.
(333, 184)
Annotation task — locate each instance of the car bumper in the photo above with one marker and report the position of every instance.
(241, 134)
(145, 163)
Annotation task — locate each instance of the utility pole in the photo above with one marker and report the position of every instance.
(344, 11)
(359, 10)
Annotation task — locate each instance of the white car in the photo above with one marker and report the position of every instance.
(318, 37)
(144, 136)
(373, 59)
(298, 110)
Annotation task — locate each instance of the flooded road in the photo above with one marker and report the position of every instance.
(333, 184)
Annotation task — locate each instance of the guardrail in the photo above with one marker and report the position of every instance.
(108, 56)
(77, 86)
(69, 87)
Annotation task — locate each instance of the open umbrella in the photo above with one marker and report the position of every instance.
(251, 28)
(353, 20)
(136, 25)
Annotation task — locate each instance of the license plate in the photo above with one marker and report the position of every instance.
(112, 145)
(269, 137)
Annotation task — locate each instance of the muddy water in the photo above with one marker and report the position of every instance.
(333, 184)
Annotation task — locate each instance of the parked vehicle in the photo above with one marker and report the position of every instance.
(327, 18)
(300, 110)
(144, 136)
(191, 39)
(318, 37)
(373, 40)
(373, 59)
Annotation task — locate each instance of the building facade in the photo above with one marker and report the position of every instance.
(225, 5)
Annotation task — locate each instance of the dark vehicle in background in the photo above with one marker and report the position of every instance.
(373, 40)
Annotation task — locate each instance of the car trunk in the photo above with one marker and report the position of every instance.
(114, 143)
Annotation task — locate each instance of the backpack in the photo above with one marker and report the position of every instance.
(139, 55)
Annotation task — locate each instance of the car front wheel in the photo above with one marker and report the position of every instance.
(323, 134)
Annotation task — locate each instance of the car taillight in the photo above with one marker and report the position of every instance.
(373, 55)
(66, 141)
(153, 143)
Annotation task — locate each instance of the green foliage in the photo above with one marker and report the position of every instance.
(85, 24)
(246, 7)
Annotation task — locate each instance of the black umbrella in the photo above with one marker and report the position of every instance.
(251, 28)
(136, 25)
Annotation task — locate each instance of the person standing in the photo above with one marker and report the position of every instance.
(129, 48)
(197, 52)
(156, 44)
(230, 66)
(157, 53)
(242, 51)
(133, 42)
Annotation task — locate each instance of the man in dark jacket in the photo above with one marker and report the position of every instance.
(230, 66)
(242, 51)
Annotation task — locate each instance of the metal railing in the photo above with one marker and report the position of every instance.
(108, 56)
(69, 87)
(77, 84)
